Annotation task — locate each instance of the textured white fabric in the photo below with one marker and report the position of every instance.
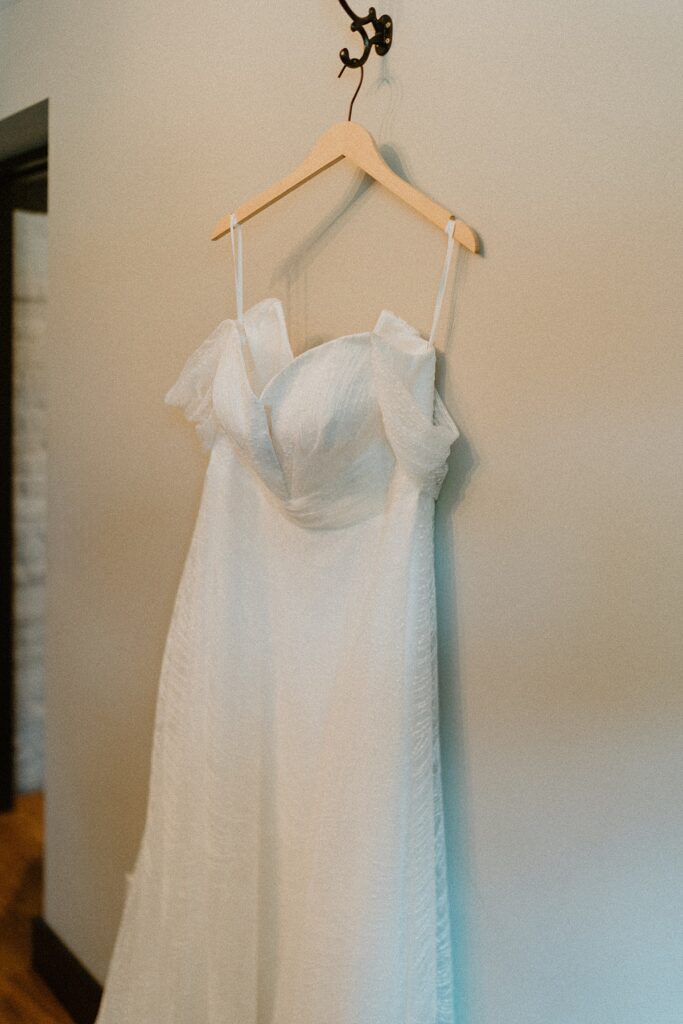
(292, 868)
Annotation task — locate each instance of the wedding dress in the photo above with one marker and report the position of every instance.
(292, 866)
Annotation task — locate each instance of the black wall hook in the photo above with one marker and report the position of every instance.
(381, 39)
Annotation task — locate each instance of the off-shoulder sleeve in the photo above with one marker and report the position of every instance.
(417, 424)
(193, 390)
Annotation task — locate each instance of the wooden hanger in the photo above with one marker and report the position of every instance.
(349, 139)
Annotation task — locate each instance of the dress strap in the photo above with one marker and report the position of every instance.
(449, 229)
(237, 262)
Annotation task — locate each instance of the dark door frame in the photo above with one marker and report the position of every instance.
(23, 186)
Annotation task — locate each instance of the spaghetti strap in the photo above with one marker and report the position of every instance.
(450, 227)
(238, 267)
(238, 264)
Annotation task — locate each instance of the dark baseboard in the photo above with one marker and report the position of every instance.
(63, 973)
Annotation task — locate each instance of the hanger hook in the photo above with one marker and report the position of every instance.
(381, 40)
(353, 98)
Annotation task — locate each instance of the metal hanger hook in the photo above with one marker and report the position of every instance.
(353, 98)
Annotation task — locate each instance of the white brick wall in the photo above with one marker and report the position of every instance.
(30, 467)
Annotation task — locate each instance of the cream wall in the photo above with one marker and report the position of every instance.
(555, 132)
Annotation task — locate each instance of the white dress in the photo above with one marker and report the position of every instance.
(292, 865)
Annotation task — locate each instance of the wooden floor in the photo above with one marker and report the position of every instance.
(24, 998)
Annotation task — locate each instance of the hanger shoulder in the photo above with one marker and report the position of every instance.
(316, 161)
(363, 151)
(328, 150)
(348, 139)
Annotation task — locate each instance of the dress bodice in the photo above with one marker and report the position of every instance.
(329, 432)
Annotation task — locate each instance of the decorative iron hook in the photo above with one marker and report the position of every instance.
(381, 40)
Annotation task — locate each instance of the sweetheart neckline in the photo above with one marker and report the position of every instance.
(294, 359)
